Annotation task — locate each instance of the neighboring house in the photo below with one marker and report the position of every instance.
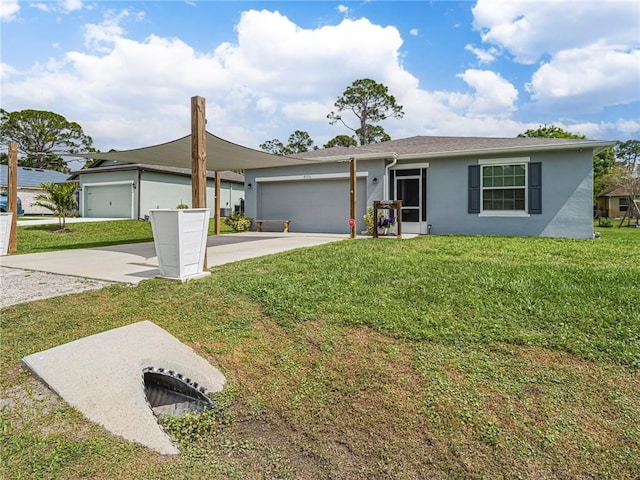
(111, 189)
(448, 185)
(29, 180)
(614, 202)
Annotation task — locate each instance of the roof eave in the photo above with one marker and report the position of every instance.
(596, 146)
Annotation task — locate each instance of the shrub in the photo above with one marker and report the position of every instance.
(605, 222)
(238, 222)
(369, 220)
(182, 206)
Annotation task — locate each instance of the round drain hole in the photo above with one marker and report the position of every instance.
(171, 393)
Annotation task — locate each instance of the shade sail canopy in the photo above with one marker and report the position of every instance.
(221, 155)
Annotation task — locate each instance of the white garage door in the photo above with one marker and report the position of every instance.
(108, 201)
(320, 206)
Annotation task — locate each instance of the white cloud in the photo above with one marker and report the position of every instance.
(102, 36)
(588, 79)
(343, 9)
(6, 71)
(9, 10)
(629, 127)
(414, 31)
(65, 6)
(530, 30)
(484, 56)
(494, 95)
(71, 5)
(273, 75)
(43, 7)
(588, 51)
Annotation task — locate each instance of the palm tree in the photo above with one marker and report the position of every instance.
(60, 198)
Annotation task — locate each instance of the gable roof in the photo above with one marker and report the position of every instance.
(430, 147)
(618, 191)
(32, 177)
(110, 166)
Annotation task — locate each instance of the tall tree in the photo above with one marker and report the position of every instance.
(275, 147)
(550, 131)
(299, 141)
(603, 164)
(603, 161)
(628, 153)
(43, 138)
(59, 198)
(374, 134)
(371, 103)
(341, 141)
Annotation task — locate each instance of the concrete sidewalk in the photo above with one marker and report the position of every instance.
(132, 263)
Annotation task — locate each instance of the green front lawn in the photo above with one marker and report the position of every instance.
(435, 357)
(43, 238)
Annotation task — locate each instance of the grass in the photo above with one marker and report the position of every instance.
(436, 357)
(44, 238)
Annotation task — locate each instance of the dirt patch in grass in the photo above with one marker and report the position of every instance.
(339, 402)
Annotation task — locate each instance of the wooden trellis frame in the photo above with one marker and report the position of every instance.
(388, 205)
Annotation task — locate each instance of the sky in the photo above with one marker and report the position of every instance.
(126, 71)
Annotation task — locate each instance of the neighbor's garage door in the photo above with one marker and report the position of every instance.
(108, 201)
(320, 206)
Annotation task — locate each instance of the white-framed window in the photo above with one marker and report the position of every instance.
(503, 186)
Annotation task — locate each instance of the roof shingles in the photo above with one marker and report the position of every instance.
(429, 145)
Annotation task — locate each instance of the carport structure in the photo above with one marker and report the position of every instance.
(200, 151)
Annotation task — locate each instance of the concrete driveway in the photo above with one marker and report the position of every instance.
(132, 263)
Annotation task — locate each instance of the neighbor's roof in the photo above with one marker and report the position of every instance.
(221, 155)
(32, 177)
(619, 191)
(432, 147)
(100, 167)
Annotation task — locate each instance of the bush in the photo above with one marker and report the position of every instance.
(369, 220)
(605, 222)
(238, 222)
(182, 206)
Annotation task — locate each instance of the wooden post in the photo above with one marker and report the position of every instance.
(198, 157)
(12, 196)
(352, 188)
(217, 203)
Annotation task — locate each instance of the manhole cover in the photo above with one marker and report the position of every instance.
(171, 393)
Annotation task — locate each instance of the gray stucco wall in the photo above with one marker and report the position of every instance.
(567, 185)
(315, 217)
(567, 211)
(160, 190)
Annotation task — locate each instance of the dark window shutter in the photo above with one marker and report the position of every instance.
(424, 194)
(535, 188)
(474, 189)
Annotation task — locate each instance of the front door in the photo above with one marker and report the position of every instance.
(410, 187)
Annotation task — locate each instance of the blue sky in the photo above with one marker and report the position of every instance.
(125, 71)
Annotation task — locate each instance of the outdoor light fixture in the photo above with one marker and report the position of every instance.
(375, 180)
(249, 186)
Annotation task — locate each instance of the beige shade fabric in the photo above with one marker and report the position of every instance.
(221, 155)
